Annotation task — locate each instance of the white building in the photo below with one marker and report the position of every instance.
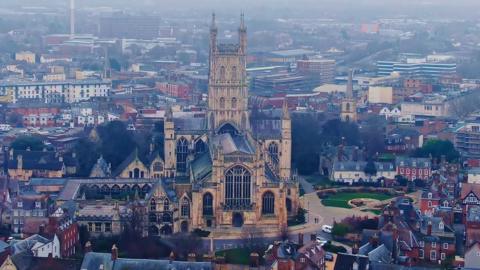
(474, 176)
(56, 91)
(353, 171)
(43, 250)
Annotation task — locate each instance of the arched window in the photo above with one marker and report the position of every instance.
(222, 73)
(182, 153)
(157, 166)
(152, 217)
(268, 203)
(200, 147)
(166, 205)
(166, 217)
(273, 152)
(234, 103)
(136, 173)
(237, 187)
(153, 205)
(222, 103)
(347, 107)
(288, 204)
(234, 73)
(185, 209)
(207, 204)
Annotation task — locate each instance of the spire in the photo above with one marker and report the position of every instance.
(213, 25)
(242, 22)
(285, 112)
(349, 92)
(168, 113)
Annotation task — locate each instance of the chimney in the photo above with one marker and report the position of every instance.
(114, 252)
(355, 154)
(300, 239)
(192, 257)
(374, 240)
(88, 247)
(429, 228)
(254, 259)
(355, 248)
(340, 152)
(19, 162)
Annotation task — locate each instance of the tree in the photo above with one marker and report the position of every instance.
(372, 133)
(436, 149)
(184, 244)
(116, 142)
(33, 143)
(340, 229)
(87, 154)
(333, 131)
(306, 142)
(370, 168)
(402, 181)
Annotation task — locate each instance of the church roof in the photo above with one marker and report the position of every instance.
(134, 155)
(201, 166)
(190, 124)
(93, 261)
(231, 144)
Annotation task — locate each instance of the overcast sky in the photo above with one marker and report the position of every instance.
(281, 8)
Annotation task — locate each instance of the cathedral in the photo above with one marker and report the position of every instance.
(230, 169)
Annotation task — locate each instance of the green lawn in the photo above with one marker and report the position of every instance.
(319, 180)
(235, 256)
(373, 211)
(341, 199)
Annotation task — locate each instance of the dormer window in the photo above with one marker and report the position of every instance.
(429, 195)
(441, 226)
(38, 204)
(20, 204)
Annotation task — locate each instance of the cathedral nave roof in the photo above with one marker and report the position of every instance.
(231, 144)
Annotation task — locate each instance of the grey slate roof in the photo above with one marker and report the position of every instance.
(93, 260)
(190, 124)
(201, 166)
(232, 144)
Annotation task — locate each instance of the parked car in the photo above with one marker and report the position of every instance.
(328, 256)
(322, 241)
(327, 229)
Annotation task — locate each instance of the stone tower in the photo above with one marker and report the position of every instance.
(286, 143)
(227, 91)
(349, 105)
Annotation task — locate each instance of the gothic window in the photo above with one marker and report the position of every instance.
(234, 73)
(288, 203)
(273, 152)
(136, 173)
(157, 166)
(222, 103)
(347, 107)
(182, 153)
(207, 204)
(234, 103)
(237, 187)
(222, 73)
(185, 209)
(166, 205)
(152, 217)
(200, 147)
(268, 203)
(153, 205)
(166, 217)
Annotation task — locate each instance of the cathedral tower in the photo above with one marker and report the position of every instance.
(227, 91)
(349, 105)
(286, 156)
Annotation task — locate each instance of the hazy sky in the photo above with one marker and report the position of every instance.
(296, 8)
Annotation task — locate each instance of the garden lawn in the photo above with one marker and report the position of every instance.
(235, 256)
(341, 199)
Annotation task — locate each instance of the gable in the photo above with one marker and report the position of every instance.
(471, 198)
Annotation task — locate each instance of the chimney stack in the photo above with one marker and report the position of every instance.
(88, 247)
(192, 257)
(429, 228)
(114, 252)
